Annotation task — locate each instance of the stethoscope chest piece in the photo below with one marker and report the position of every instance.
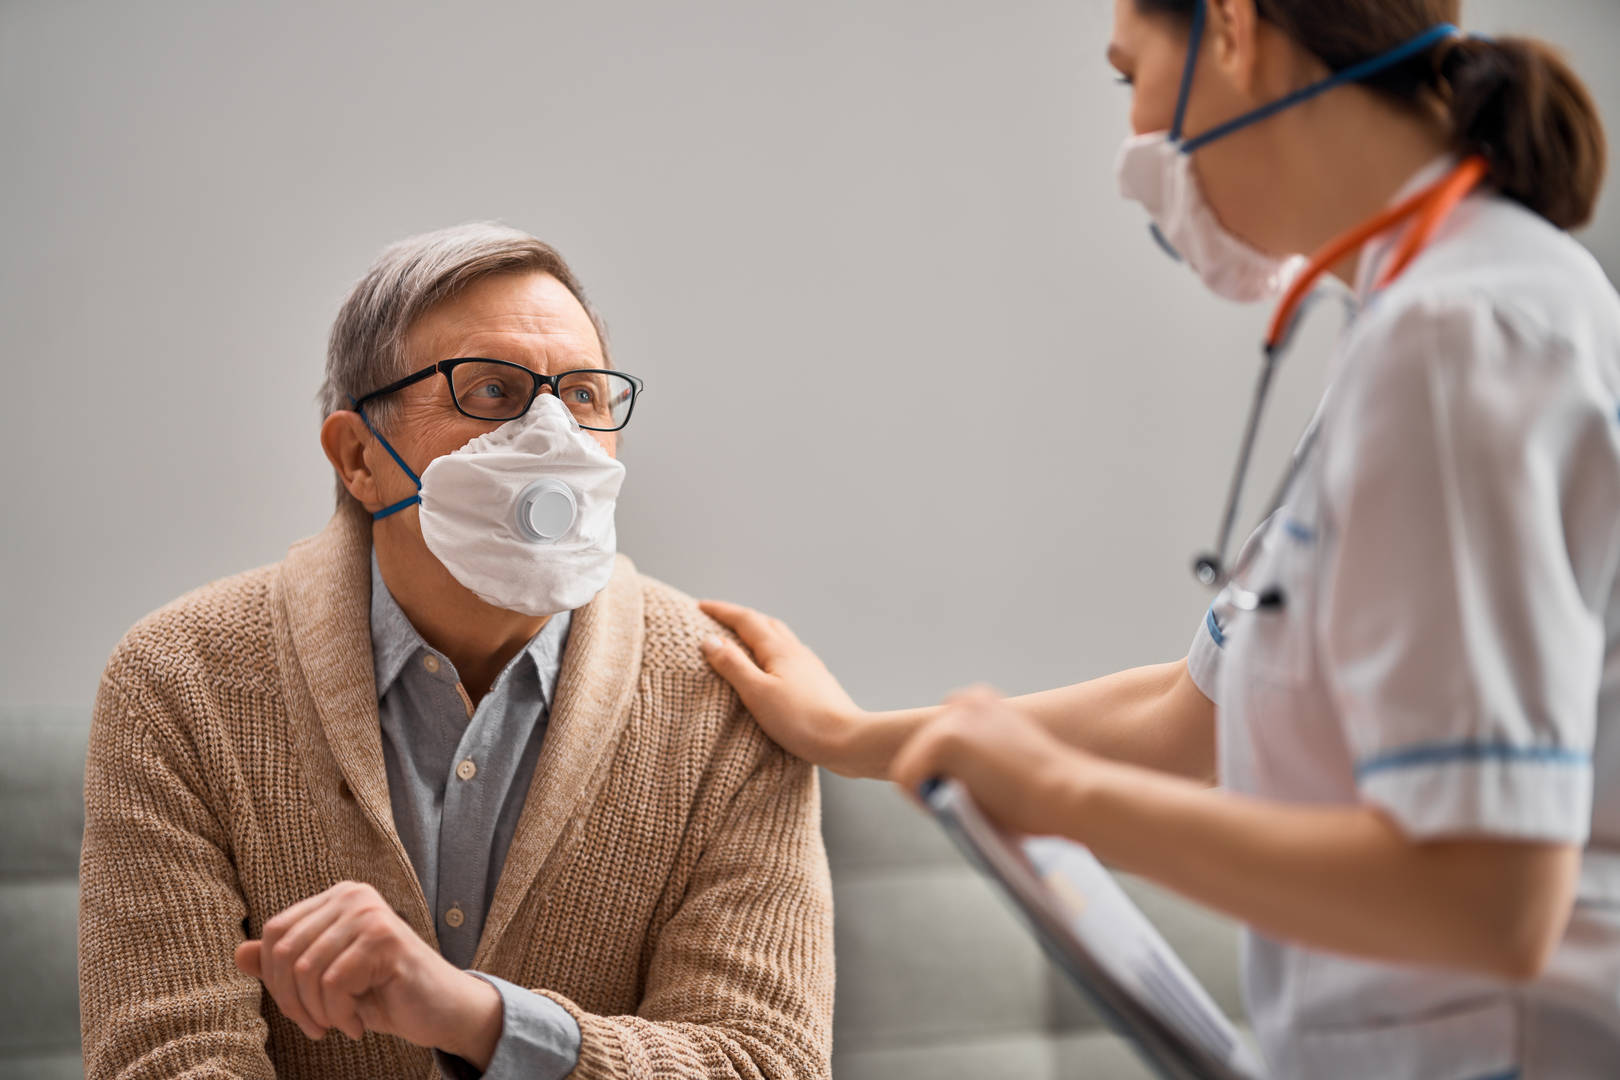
(1211, 571)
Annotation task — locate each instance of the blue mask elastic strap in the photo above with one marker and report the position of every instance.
(388, 511)
(1355, 73)
(1195, 42)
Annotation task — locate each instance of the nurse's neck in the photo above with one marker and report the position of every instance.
(1355, 153)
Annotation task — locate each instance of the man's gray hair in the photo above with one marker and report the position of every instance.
(367, 347)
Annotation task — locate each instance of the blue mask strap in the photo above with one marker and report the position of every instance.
(388, 511)
(1355, 73)
(1195, 42)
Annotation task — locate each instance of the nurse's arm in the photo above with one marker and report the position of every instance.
(1154, 717)
(1344, 879)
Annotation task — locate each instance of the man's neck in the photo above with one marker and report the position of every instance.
(478, 638)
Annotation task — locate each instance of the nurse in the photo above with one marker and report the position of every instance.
(1408, 686)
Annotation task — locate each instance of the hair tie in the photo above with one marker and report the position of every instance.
(1452, 53)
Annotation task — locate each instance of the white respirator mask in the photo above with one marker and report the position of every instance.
(1157, 171)
(522, 516)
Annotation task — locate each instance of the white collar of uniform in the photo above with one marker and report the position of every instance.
(1378, 248)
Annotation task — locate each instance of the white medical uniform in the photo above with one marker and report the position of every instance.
(1449, 649)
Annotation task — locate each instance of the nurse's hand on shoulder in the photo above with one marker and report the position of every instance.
(1020, 774)
(786, 687)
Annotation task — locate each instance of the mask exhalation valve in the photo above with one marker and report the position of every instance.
(545, 511)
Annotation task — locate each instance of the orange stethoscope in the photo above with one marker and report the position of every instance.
(1423, 214)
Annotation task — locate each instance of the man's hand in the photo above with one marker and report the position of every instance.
(344, 959)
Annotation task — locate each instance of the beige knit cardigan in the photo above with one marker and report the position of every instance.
(667, 883)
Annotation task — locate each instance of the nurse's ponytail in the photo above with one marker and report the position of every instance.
(1512, 100)
(1515, 101)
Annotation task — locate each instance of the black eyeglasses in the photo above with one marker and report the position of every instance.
(600, 400)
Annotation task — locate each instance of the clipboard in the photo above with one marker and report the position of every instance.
(1091, 929)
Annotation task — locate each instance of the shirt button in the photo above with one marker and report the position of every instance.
(431, 662)
(467, 769)
(454, 918)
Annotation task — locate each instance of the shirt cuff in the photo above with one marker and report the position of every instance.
(539, 1039)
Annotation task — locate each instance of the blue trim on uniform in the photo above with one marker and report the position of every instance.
(1303, 533)
(1443, 753)
(1511, 1074)
(1215, 632)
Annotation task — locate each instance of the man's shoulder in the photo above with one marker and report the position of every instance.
(675, 628)
(674, 631)
(218, 633)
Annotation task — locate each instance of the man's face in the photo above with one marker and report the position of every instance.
(524, 318)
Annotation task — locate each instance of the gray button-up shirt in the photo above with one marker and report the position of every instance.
(457, 779)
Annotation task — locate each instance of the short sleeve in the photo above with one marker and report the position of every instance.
(1460, 620)
(1204, 657)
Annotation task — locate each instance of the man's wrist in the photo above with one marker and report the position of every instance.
(474, 1022)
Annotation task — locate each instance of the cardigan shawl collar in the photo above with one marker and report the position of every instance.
(322, 611)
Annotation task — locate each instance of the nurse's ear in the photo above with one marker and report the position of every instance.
(1233, 36)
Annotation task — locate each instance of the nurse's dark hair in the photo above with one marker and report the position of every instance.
(1513, 100)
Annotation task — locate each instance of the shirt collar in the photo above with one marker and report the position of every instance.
(1376, 250)
(394, 641)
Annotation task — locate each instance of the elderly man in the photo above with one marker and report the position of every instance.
(452, 778)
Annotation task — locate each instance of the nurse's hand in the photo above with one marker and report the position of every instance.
(787, 688)
(1019, 773)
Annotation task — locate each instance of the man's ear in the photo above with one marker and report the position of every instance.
(344, 438)
(1234, 30)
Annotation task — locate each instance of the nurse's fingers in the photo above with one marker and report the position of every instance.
(928, 755)
(766, 637)
(732, 664)
(972, 697)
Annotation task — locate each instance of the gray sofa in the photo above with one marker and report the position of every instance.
(41, 820)
(936, 979)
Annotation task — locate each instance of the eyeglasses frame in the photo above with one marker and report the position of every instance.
(445, 367)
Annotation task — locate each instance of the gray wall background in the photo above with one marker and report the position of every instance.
(918, 382)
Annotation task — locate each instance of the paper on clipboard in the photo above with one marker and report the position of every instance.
(1091, 929)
